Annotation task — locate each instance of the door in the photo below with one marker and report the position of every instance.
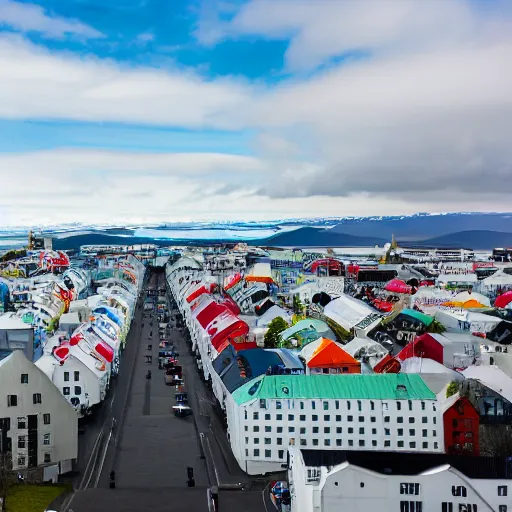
(32, 440)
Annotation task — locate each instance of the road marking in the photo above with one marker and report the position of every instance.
(213, 462)
(103, 459)
(263, 497)
(81, 486)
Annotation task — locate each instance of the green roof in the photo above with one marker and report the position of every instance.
(387, 386)
(421, 317)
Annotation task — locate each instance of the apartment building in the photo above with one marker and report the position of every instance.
(388, 412)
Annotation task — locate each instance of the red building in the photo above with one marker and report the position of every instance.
(461, 423)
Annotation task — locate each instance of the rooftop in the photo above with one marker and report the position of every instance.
(378, 387)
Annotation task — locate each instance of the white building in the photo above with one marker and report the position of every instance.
(388, 412)
(37, 424)
(365, 482)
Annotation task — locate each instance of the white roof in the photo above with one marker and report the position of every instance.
(499, 278)
(492, 377)
(347, 311)
(260, 270)
(10, 321)
(464, 296)
(272, 313)
(422, 365)
(47, 363)
(457, 278)
(371, 346)
(70, 318)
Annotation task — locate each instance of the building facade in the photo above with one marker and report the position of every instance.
(38, 426)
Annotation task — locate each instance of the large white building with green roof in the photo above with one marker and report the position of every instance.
(388, 412)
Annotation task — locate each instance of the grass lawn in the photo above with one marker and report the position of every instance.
(32, 498)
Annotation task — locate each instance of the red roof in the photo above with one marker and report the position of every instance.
(423, 346)
(198, 290)
(330, 355)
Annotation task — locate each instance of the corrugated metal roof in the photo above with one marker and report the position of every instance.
(378, 387)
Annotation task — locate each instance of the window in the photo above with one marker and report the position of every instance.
(246, 440)
(263, 403)
(314, 417)
(327, 417)
(374, 442)
(315, 442)
(385, 406)
(12, 400)
(338, 442)
(268, 440)
(350, 442)
(424, 419)
(66, 391)
(280, 454)
(279, 430)
(245, 413)
(339, 430)
(255, 416)
(36, 398)
(21, 441)
(256, 440)
(435, 446)
(424, 433)
(412, 444)
(502, 508)
(410, 405)
(361, 419)
(336, 404)
(78, 390)
(279, 441)
(302, 417)
(412, 432)
(411, 506)
(302, 405)
(459, 490)
(303, 442)
(373, 419)
(246, 428)
(374, 431)
(246, 452)
(313, 405)
(350, 418)
(22, 423)
(291, 417)
(425, 445)
(361, 442)
(279, 417)
(291, 429)
(372, 406)
(400, 432)
(411, 419)
(387, 431)
(348, 405)
(361, 430)
(422, 406)
(386, 419)
(327, 430)
(77, 376)
(302, 430)
(398, 406)
(256, 452)
(66, 376)
(410, 488)
(47, 457)
(315, 430)
(350, 430)
(359, 405)
(255, 428)
(47, 440)
(278, 404)
(400, 444)
(434, 420)
(387, 444)
(326, 406)
(502, 490)
(434, 433)
(268, 428)
(400, 419)
(338, 417)
(24, 378)
(327, 442)
(267, 417)
(21, 460)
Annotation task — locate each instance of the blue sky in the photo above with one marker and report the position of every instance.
(160, 110)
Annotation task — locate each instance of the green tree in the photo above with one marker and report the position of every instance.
(297, 305)
(452, 388)
(273, 335)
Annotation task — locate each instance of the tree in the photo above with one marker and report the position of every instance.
(273, 335)
(297, 305)
(452, 388)
(5, 476)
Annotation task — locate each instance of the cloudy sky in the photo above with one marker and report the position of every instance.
(160, 110)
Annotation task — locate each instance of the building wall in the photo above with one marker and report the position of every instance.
(268, 427)
(461, 427)
(63, 421)
(18, 339)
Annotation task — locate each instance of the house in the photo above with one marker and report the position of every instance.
(355, 412)
(38, 426)
(461, 426)
(366, 481)
(326, 356)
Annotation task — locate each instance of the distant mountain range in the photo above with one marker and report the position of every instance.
(479, 231)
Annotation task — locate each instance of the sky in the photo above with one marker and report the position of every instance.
(146, 111)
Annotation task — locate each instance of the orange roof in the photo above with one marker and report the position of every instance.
(329, 354)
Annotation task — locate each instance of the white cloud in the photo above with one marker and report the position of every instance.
(39, 84)
(33, 18)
